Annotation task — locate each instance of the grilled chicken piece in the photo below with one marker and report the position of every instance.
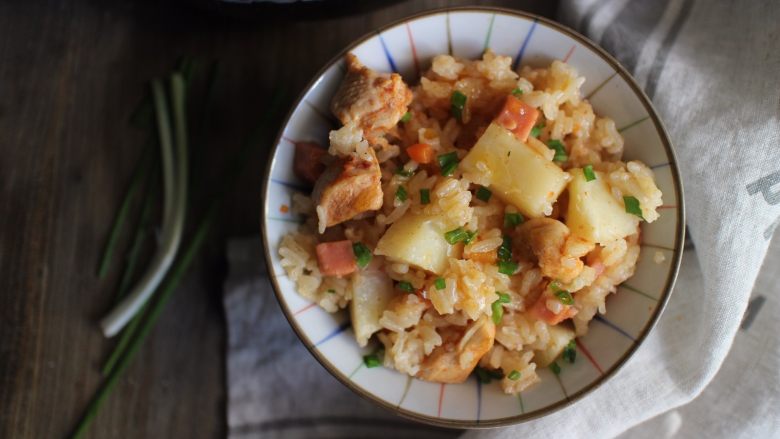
(456, 357)
(377, 101)
(347, 188)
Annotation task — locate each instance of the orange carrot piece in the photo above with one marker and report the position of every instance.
(336, 258)
(420, 153)
(518, 117)
(541, 312)
(484, 257)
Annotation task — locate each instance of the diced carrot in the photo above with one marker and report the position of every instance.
(420, 153)
(307, 164)
(541, 312)
(518, 117)
(336, 258)
(489, 257)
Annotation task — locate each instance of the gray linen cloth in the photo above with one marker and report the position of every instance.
(711, 69)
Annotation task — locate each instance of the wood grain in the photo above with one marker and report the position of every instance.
(70, 74)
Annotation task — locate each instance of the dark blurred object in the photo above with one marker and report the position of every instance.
(261, 10)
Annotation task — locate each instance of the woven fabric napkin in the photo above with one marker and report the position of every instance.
(711, 69)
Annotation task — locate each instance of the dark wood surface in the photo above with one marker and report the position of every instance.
(70, 74)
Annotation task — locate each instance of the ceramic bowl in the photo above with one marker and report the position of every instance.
(407, 47)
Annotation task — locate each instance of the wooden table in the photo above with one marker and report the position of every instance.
(70, 74)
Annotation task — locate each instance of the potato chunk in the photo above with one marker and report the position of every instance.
(594, 214)
(515, 172)
(372, 291)
(560, 336)
(417, 240)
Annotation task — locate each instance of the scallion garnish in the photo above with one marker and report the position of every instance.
(514, 375)
(632, 206)
(362, 254)
(570, 352)
(498, 311)
(403, 172)
(560, 150)
(563, 296)
(535, 131)
(401, 194)
(507, 268)
(470, 237)
(457, 104)
(513, 220)
(555, 368)
(503, 297)
(505, 250)
(425, 196)
(405, 286)
(440, 284)
(484, 194)
(448, 163)
(517, 92)
(588, 172)
(331, 291)
(371, 360)
(455, 236)
(406, 117)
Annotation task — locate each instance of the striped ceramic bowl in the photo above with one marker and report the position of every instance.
(407, 47)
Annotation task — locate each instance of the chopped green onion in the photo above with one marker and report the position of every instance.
(470, 237)
(371, 360)
(503, 297)
(505, 250)
(535, 131)
(457, 104)
(362, 254)
(440, 284)
(555, 368)
(564, 297)
(425, 196)
(632, 206)
(331, 291)
(498, 311)
(406, 117)
(517, 92)
(513, 220)
(589, 174)
(403, 172)
(484, 193)
(448, 163)
(513, 375)
(401, 194)
(455, 236)
(405, 286)
(560, 150)
(507, 268)
(482, 375)
(570, 352)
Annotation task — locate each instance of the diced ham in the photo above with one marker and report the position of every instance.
(308, 165)
(518, 117)
(346, 189)
(377, 101)
(336, 258)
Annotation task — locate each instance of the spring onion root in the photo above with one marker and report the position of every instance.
(175, 188)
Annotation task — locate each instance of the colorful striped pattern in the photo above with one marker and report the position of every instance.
(480, 392)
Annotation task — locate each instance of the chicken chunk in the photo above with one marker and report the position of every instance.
(376, 101)
(556, 249)
(347, 188)
(456, 357)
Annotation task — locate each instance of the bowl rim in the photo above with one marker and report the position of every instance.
(662, 301)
